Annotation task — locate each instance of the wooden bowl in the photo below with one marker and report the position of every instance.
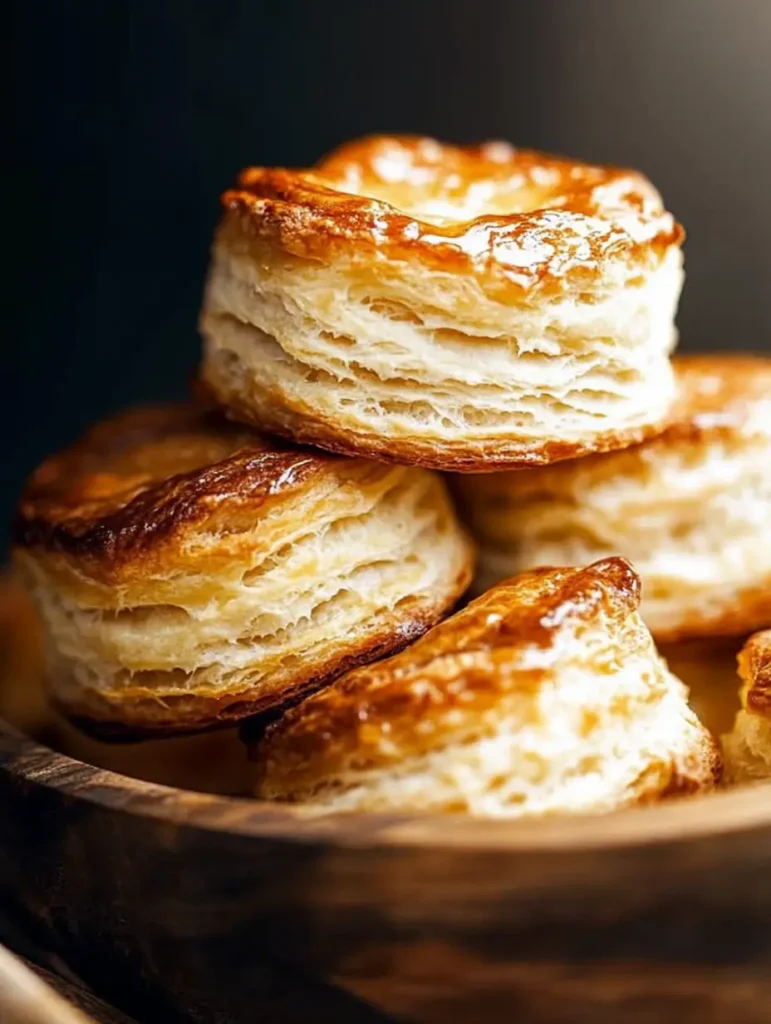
(182, 906)
(179, 906)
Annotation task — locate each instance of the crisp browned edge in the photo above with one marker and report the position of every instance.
(232, 712)
(157, 515)
(305, 210)
(324, 434)
(708, 815)
(103, 541)
(405, 630)
(335, 714)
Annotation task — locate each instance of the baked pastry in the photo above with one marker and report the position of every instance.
(212, 762)
(544, 695)
(748, 747)
(190, 573)
(691, 509)
(462, 309)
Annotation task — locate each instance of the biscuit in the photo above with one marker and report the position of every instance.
(212, 762)
(461, 309)
(747, 749)
(545, 695)
(190, 573)
(691, 509)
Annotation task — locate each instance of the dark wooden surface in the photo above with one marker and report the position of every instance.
(185, 907)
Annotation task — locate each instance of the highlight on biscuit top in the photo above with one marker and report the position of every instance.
(747, 748)
(545, 695)
(190, 573)
(464, 309)
(691, 508)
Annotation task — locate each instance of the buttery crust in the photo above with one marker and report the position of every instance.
(748, 747)
(413, 198)
(691, 508)
(191, 573)
(469, 309)
(213, 762)
(554, 666)
(135, 487)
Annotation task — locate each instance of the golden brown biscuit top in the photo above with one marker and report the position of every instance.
(721, 394)
(522, 217)
(145, 476)
(755, 671)
(499, 644)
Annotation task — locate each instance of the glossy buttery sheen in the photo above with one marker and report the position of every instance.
(191, 573)
(544, 695)
(465, 309)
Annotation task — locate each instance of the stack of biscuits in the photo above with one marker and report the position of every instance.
(430, 375)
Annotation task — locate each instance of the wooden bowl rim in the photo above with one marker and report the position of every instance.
(734, 812)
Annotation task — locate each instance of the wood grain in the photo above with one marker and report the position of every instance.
(180, 906)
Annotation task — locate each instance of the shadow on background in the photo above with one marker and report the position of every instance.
(132, 116)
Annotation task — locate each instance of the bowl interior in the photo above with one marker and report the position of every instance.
(183, 780)
(737, 810)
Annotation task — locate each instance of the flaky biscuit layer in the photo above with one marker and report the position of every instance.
(544, 695)
(692, 508)
(190, 573)
(465, 309)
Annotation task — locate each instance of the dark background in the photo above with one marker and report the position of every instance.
(130, 116)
